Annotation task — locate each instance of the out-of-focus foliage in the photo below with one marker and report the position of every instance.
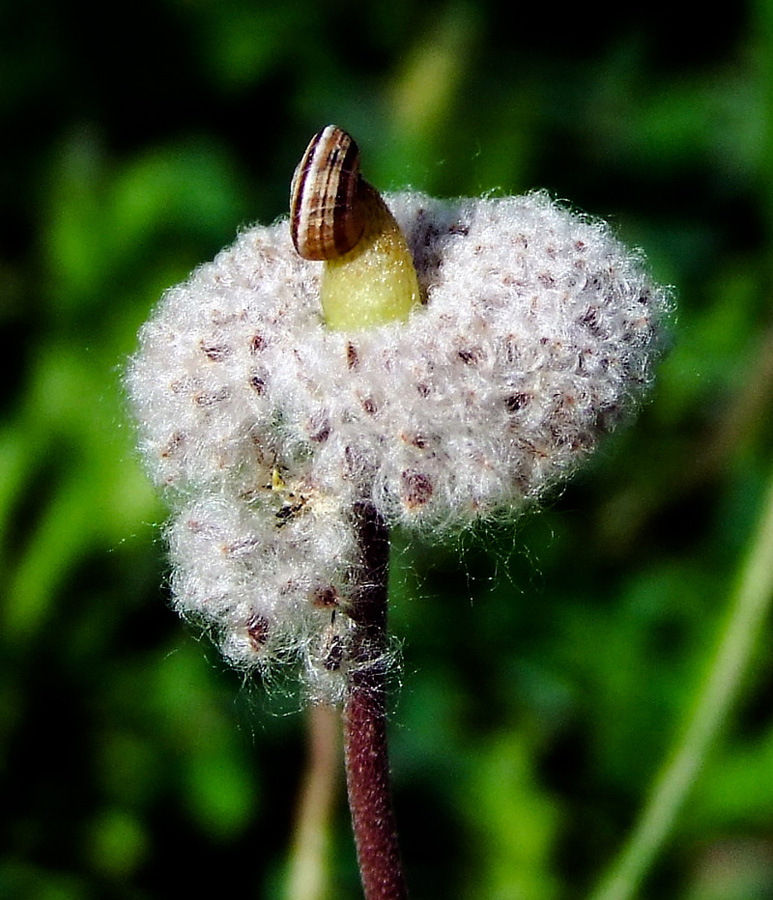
(546, 667)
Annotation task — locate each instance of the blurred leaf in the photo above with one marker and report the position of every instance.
(515, 824)
(118, 842)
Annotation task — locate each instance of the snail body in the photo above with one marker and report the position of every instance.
(336, 216)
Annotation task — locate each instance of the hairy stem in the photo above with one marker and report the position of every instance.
(365, 726)
(750, 602)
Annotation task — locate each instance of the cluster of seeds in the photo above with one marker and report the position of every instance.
(536, 334)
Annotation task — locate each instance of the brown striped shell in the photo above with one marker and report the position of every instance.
(326, 217)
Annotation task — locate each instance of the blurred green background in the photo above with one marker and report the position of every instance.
(546, 667)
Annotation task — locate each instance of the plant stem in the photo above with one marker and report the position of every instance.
(750, 602)
(365, 721)
(308, 871)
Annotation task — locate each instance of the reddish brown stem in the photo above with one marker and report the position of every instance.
(365, 730)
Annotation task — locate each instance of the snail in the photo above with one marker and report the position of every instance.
(326, 211)
(335, 216)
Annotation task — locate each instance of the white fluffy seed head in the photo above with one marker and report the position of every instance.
(538, 333)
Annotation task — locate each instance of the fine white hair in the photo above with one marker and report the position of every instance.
(537, 334)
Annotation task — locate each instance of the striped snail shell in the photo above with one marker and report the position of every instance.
(327, 218)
